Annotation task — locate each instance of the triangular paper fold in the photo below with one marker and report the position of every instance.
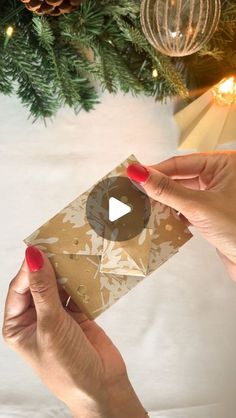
(129, 257)
(204, 124)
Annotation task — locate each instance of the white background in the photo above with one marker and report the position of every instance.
(176, 330)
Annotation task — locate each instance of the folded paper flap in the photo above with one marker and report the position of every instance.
(89, 288)
(127, 257)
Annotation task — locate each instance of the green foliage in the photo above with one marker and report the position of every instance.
(217, 59)
(50, 62)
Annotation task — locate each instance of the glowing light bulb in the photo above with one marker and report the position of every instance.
(227, 86)
(173, 34)
(225, 92)
(155, 73)
(190, 30)
(9, 31)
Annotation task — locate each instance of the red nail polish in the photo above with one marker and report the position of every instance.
(138, 173)
(34, 259)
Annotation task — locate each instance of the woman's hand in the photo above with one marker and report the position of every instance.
(202, 187)
(72, 354)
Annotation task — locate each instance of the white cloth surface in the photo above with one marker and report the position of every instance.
(13, 411)
(176, 330)
(44, 411)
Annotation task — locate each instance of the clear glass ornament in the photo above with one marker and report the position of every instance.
(179, 27)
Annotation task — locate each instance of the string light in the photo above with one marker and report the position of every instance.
(225, 91)
(9, 31)
(155, 73)
(227, 86)
(190, 30)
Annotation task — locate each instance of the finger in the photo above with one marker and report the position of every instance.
(192, 184)
(79, 317)
(27, 318)
(18, 297)
(186, 166)
(163, 189)
(64, 297)
(67, 302)
(43, 285)
(73, 307)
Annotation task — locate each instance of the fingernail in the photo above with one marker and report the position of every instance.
(34, 259)
(138, 173)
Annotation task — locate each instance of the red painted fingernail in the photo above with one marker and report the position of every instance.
(138, 173)
(34, 259)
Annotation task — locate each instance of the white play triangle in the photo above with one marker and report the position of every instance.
(117, 209)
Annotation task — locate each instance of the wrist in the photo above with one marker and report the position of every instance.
(229, 265)
(123, 401)
(118, 401)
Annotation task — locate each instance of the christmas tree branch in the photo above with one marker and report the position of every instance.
(50, 62)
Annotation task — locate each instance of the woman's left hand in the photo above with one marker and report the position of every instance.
(72, 354)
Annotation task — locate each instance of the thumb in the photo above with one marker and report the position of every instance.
(42, 284)
(163, 189)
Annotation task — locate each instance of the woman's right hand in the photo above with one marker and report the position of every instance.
(202, 187)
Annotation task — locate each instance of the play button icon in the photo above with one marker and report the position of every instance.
(117, 209)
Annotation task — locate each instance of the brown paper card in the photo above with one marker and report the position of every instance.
(97, 272)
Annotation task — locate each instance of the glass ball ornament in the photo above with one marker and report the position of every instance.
(179, 27)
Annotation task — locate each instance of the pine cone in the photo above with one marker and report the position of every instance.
(52, 7)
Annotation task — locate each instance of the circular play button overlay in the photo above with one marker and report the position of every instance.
(117, 210)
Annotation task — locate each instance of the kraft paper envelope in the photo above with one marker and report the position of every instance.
(95, 271)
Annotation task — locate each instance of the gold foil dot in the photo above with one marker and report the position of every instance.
(179, 238)
(81, 289)
(169, 227)
(86, 299)
(124, 199)
(76, 241)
